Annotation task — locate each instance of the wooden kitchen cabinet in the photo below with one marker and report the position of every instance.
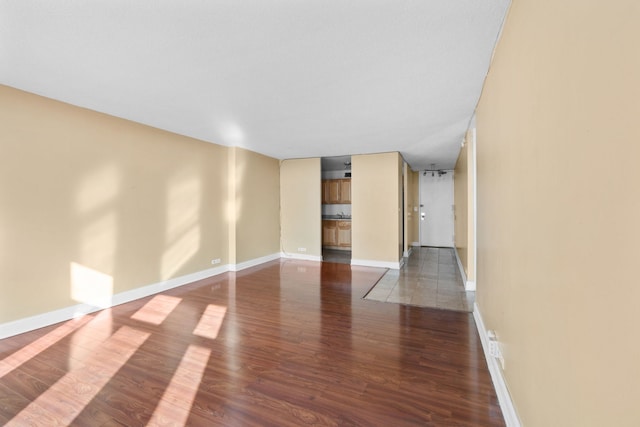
(325, 192)
(345, 191)
(336, 191)
(329, 233)
(331, 191)
(336, 233)
(344, 233)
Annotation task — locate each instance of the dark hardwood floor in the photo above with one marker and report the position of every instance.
(288, 343)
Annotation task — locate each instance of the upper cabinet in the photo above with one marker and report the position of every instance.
(330, 191)
(336, 191)
(345, 190)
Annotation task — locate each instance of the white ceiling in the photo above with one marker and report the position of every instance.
(286, 78)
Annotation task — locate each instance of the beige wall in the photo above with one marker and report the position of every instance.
(558, 210)
(471, 206)
(257, 205)
(376, 207)
(464, 206)
(405, 208)
(92, 205)
(413, 207)
(461, 205)
(300, 210)
(401, 207)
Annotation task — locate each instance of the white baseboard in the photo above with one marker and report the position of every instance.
(469, 285)
(408, 252)
(45, 319)
(27, 324)
(499, 383)
(38, 321)
(301, 256)
(371, 263)
(254, 262)
(415, 244)
(460, 266)
(165, 285)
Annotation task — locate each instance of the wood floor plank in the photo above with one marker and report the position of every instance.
(287, 343)
(10, 402)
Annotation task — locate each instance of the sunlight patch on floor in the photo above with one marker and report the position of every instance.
(175, 405)
(157, 309)
(66, 399)
(210, 322)
(41, 344)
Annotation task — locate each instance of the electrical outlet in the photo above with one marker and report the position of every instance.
(495, 349)
(302, 249)
(216, 261)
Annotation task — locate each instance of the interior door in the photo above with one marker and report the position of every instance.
(436, 209)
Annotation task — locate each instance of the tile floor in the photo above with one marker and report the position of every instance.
(429, 278)
(333, 255)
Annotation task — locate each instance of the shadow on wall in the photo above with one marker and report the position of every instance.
(92, 206)
(114, 219)
(99, 207)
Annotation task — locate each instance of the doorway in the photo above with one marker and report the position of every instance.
(336, 209)
(436, 209)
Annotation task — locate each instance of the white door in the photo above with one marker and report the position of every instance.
(436, 209)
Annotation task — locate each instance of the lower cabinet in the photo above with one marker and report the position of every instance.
(329, 233)
(336, 233)
(344, 233)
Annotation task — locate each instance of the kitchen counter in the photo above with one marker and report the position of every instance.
(337, 217)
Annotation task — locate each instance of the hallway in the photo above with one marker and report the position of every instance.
(429, 278)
